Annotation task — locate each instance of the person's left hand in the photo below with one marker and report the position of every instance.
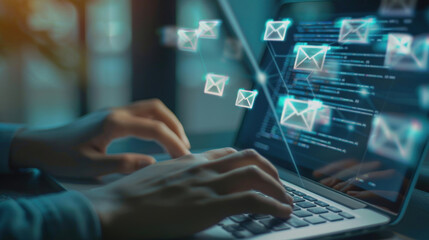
(79, 149)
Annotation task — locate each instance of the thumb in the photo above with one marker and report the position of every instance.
(123, 163)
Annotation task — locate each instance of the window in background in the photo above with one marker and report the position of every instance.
(109, 39)
(49, 92)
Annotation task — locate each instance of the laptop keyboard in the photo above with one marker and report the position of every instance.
(307, 211)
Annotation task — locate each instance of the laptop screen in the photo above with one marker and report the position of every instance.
(348, 82)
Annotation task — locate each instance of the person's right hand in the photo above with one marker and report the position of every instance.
(181, 197)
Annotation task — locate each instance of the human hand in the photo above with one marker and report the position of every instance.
(79, 149)
(181, 197)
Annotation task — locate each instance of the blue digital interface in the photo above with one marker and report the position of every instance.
(349, 83)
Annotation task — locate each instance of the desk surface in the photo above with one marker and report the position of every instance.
(413, 226)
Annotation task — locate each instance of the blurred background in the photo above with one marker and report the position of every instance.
(61, 59)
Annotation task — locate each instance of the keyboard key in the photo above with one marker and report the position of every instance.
(309, 198)
(305, 204)
(239, 218)
(346, 215)
(289, 189)
(331, 217)
(233, 227)
(314, 220)
(296, 222)
(317, 210)
(333, 209)
(296, 208)
(242, 234)
(302, 213)
(298, 193)
(275, 224)
(254, 227)
(259, 216)
(297, 199)
(322, 204)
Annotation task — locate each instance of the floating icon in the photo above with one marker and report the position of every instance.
(209, 28)
(398, 8)
(300, 114)
(355, 31)
(276, 30)
(215, 84)
(246, 99)
(423, 93)
(395, 137)
(311, 58)
(187, 39)
(404, 52)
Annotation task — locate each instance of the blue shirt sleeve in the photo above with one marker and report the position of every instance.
(7, 132)
(67, 215)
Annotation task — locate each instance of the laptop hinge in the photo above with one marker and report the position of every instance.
(320, 190)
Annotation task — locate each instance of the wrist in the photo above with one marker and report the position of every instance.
(22, 154)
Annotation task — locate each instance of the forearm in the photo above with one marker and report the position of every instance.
(67, 215)
(7, 133)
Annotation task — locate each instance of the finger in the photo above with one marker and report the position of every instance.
(250, 202)
(250, 178)
(158, 131)
(333, 168)
(122, 163)
(158, 111)
(219, 153)
(242, 159)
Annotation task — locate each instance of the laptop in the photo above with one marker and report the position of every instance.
(340, 112)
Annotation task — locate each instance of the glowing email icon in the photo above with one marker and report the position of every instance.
(209, 28)
(311, 58)
(300, 114)
(404, 52)
(215, 84)
(355, 31)
(246, 99)
(394, 137)
(187, 39)
(276, 30)
(398, 8)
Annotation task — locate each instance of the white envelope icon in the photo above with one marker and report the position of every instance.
(300, 114)
(187, 39)
(209, 28)
(355, 31)
(215, 84)
(404, 52)
(246, 99)
(398, 8)
(395, 137)
(276, 30)
(311, 58)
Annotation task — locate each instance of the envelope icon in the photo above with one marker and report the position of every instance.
(300, 114)
(404, 52)
(395, 137)
(398, 8)
(187, 39)
(209, 28)
(215, 84)
(276, 30)
(246, 99)
(311, 58)
(355, 31)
